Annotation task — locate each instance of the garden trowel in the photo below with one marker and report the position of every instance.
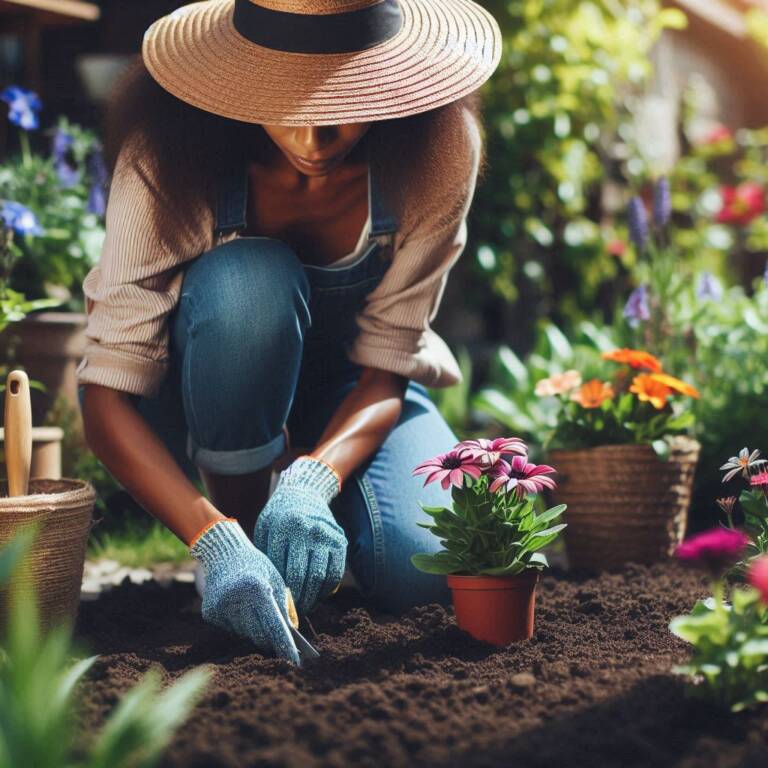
(305, 648)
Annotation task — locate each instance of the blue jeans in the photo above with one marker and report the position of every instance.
(257, 342)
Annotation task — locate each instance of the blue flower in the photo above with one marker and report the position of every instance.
(637, 308)
(638, 223)
(662, 203)
(709, 287)
(23, 107)
(97, 171)
(20, 219)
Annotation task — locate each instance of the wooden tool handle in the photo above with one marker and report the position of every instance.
(18, 432)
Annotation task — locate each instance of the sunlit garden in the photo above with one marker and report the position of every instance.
(599, 524)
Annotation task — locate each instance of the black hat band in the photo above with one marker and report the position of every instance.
(318, 33)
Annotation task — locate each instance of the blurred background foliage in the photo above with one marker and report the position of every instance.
(559, 120)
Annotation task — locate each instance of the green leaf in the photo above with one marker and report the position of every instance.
(551, 514)
(441, 563)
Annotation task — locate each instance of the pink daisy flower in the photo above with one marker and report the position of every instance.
(487, 452)
(449, 468)
(523, 478)
(760, 480)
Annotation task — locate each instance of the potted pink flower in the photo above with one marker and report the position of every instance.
(492, 536)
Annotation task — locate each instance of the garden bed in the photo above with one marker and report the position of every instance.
(593, 687)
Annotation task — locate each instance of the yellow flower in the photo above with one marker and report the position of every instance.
(650, 390)
(593, 394)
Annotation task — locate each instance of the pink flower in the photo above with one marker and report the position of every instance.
(521, 477)
(558, 384)
(760, 480)
(449, 468)
(758, 576)
(715, 549)
(488, 452)
(741, 204)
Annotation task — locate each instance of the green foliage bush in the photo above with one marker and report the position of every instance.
(39, 677)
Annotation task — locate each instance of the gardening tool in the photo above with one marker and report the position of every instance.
(18, 432)
(305, 648)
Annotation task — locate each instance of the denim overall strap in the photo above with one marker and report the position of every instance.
(232, 201)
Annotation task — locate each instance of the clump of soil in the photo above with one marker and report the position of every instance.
(593, 687)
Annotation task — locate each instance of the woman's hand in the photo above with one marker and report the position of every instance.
(297, 531)
(243, 591)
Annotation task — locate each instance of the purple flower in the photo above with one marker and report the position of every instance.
(765, 274)
(637, 309)
(662, 203)
(449, 468)
(714, 550)
(709, 287)
(60, 146)
(20, 219)
(23, 107)
(638, 223)
(97, 172)
(521, 477)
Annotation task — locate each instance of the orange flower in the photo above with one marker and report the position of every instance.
(593, 394)
(650, 390)
(675, 384)
(635, 358)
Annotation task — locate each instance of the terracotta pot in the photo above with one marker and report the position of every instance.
(49, 346)
(496, 609)
(624, 503)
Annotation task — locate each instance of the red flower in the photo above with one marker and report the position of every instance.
(742, 204)
(449, 468)
(717, 134)
(616, 247)
(714, 550)
(758, 576)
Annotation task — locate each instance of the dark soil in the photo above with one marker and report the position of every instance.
(593, 688)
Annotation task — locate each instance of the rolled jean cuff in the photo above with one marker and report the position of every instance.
(240, 462)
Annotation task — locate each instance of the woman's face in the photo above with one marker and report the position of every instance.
(316, 149)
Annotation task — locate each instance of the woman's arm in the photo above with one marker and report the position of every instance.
(126, 445)
(362, 421)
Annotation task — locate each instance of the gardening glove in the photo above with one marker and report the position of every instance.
(243, 591)
(298, 532)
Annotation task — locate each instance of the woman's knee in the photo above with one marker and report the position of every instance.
(256, 287)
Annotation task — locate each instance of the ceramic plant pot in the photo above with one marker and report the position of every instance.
(496, 609)
(49, 345)
(625, 504)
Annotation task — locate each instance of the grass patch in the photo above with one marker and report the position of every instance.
(138, 545)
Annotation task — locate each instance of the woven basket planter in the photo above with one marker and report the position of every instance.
(624, 503)
(63, 510)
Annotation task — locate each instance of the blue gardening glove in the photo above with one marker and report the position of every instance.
(243, 592)
(297, 530)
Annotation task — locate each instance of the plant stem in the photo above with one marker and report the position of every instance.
(26, 151)
(718, 590)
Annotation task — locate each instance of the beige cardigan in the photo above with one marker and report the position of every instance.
(137, 281)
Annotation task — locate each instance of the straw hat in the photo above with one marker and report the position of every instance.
(322, 62)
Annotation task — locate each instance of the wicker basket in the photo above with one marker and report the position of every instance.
(624, 503)
(63, 509)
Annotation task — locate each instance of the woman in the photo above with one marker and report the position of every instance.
(258, 142)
